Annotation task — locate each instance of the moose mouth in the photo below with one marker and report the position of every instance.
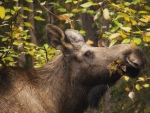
(130, 68)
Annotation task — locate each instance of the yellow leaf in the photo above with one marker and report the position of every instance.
(125, 16)
(143, 12)
(65, 17)
(133, 22)
(126, 78)
(90, 42)
(141, 79)
(113, 36)
(122, 34)
(137, 86)
(106, 14)
(127, 29)
(146, 85)
(2, 12)
(112, 42)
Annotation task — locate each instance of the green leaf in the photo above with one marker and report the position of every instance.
(7, 17)
(143, 12)
(87, 4)
(16, 8)
(4, 39)
(62, 9)
(147, 7)
(27, 24)
(67, 1)
(55, 4)
(137, 40)
(43, 3)
(127, 29)
(2, 12)
(118, 24)
(113, 36)
(27, 9)
(114, 28)
(113, 42)
(39, 18)
(75, 10)
(39, 11)
(29, 0)
(135, 1)
(126, 41)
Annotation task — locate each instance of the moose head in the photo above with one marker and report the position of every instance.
(64, 83)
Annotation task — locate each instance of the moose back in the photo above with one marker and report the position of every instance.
(64, 83)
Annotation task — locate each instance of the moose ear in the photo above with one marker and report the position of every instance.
(56, 38)
(75, 37)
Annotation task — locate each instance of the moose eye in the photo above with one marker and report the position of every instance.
(88, 54)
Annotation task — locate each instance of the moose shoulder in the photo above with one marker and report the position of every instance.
(64, 83)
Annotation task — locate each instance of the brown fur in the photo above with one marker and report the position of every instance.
(63, 85)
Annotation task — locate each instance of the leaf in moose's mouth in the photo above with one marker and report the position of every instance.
(114, 66)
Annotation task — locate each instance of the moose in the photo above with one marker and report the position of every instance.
(64, 84)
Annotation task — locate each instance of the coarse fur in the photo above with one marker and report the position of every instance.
(65, 84)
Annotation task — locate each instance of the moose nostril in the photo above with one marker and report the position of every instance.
(133, 61)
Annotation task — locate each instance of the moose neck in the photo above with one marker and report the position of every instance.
(61, 89)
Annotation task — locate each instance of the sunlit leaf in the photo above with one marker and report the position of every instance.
(141, 79)
(16, 8)
(137, 86)
(137, 40)
(62, 9)
(112, 42)
(114, 28)
(125, 16)
(133, 22)
(90, 42)
(147, 7)
(27, 9)
(127, 3)
(27, 24)
(43, 3)
(124, 35)
(2, 12)
(135, 1)
(146, 85)
(97, 15)
(115, 35)
(4, 39)
(39, 18)
(29, 0)
(127, 29)
(67, 1)
(118, 24)
(75, 2)
(143, 12)
(39, 11)
(7, 17)
(83, 33)
(55, 4)
(106, 14)
(75, 10)
(126, 78)
(126, 41)
(87, 4)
